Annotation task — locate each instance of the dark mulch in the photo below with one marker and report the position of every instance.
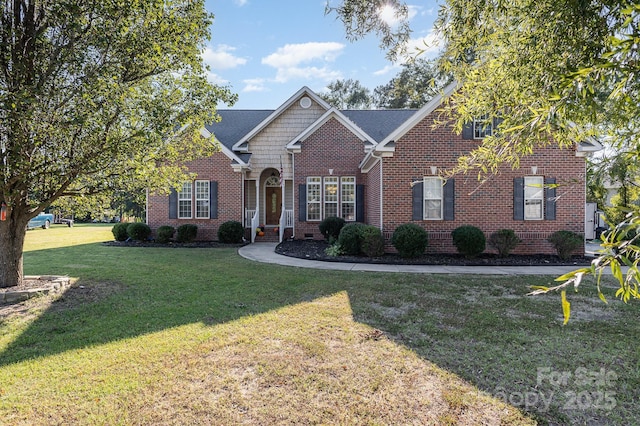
(315, 250)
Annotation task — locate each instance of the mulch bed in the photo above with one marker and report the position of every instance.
(172, 244)
(315, 250)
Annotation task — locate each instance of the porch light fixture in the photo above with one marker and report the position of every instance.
(330, 172)
(434, 170)
(534, 170)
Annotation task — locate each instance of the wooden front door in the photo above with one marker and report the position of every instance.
(273, 205)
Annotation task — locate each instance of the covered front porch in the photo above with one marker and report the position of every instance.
(268, 201)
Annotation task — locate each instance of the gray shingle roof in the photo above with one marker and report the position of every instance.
(236, 123)
(379, 123)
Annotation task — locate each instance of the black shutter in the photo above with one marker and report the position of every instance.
(550, 199)
(418, 201)
(518, 199)
(213, 200)
(467, 131)
(449, 200)
(302, 203)
(360, 203)
(173, 204)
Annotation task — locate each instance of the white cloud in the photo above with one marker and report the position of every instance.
(307, 73)
(222, 58)
(387, 14)
(254, 85)
(216, 79)
(386, 70)
(426, 47)
(240, 2)
(294, 54)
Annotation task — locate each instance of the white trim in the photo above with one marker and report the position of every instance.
(541, 198)
(386, 145)
(196, 199)
(424, 198)
(226, 151)
(295, 146)
(303, 91)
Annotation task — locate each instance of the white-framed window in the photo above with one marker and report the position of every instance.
(533, 198)
(482, 127)
(202, 199)
(184, 201)
(348, 198)
(330, 196)
(433, 194)
(314, 198)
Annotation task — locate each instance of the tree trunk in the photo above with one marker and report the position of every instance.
(12, 233)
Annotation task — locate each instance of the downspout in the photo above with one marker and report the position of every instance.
(381, 186)
(293, 195)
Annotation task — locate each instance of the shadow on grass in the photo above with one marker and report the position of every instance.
(483, 329)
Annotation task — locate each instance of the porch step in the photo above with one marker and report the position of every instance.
(268, 237)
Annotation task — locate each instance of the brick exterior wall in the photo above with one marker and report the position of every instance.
(332, 146)
(373, 196)
(487, 205)
(214, 168)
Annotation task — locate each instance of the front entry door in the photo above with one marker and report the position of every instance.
(273, 206)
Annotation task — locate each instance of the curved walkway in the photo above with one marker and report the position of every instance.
(265, 253)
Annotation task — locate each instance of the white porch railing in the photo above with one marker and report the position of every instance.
(248, 216)
(286, 221)
(254, 224)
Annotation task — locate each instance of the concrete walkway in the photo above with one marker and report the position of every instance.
(265, 253)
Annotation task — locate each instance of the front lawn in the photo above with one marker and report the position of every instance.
(202, 336)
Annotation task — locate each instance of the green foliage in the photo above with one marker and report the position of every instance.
(410, 240)
(231, 232)
(350, 238)
(504, 241)
(469, 240)
(347, 94)
(165, 233)
(330, 228)
(372, 244)
(186, 233)
(119, 231)
(334, 250)
(566, 242)
(138, 231)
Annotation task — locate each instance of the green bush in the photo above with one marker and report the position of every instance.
(119, 231)
(231, 232)
(186, 233)
(565, 243)
(410, 240)
(469, 240)
(372, 244)
(334, 250)
(165, 233)
(350, 238)
(138, 231)
(504, 241)
(330, 228)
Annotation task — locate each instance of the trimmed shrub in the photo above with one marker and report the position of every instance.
(504, 241)
(330, 228)
(334, 250)
(231, 232)
(410, 240)
(565, 243)
(119, 231)
(469, 240)
(372, 244)
(138, 231)
(186, 233)
(350, 238)
(165, 233)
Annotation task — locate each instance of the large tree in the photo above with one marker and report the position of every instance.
(95, 95)
(347, 94)
(555, 72)
(416, 84)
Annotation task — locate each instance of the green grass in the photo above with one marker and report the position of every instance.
(202, 336)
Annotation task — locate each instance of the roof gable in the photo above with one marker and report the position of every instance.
(241, 145)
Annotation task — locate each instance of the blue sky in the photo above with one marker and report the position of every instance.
(266, 50)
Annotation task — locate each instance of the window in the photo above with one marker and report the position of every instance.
(533, 198)
(482, 127)
(330, 196)
(314, 198)
(202, 199)
(432, 193)
(184, 201)
(348, 198)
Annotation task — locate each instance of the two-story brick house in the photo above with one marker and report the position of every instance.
(291, 167)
